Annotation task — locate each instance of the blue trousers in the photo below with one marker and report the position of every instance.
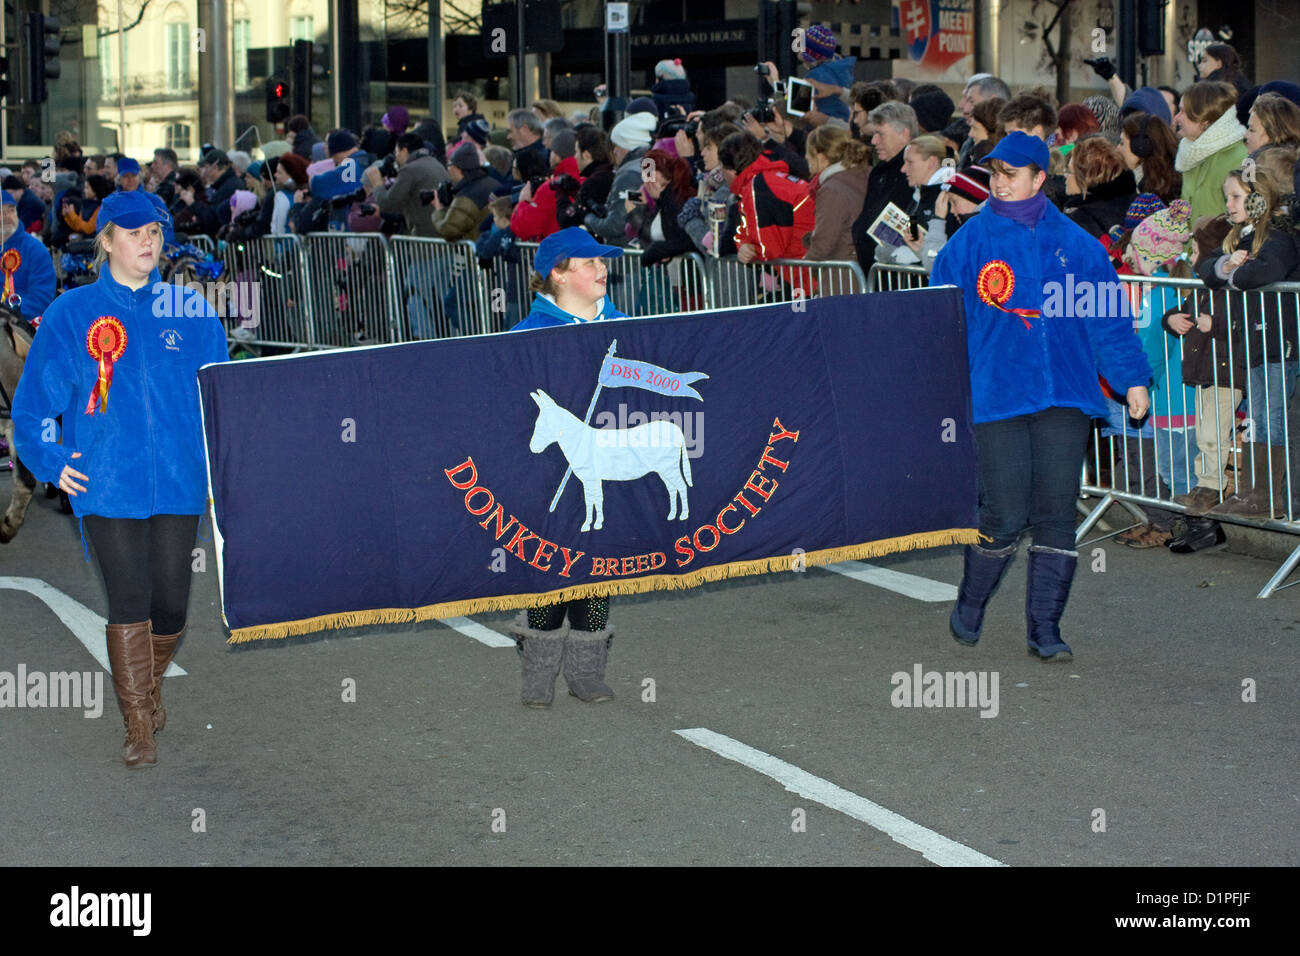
(1029, 477)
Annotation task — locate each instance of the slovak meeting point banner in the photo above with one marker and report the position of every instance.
(439, 479)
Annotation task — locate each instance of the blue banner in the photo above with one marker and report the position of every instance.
(437, 479)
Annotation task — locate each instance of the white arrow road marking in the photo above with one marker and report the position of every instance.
(85, 624)
(934, 847)
(484, 635)
(911, 585)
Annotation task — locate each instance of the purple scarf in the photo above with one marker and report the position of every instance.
(1027, 212)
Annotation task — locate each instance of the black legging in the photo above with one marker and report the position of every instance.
(585, 614)
(146, 567)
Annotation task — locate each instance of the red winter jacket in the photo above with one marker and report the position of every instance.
(776, 212)
(534, 220)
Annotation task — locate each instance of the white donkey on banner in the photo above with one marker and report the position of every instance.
(597, 455)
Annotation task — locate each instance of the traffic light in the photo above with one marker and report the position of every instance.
(277, 100)
(301, 73)
(41, 38)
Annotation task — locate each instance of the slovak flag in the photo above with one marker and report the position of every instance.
(914, 23)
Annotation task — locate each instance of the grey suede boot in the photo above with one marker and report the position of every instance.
(541, 653)
(585, 654)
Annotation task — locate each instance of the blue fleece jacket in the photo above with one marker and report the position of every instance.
(1055, 362)
(546, 313)
(143, 454)
(34, 278)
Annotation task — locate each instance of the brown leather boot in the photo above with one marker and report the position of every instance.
(130, 655)
(1255, 484)
(164, 646)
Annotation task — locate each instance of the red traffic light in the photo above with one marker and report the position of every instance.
(279, 90)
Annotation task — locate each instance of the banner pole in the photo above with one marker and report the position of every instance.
(591, 407)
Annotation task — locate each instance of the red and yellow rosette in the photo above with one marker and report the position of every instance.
(995, 284)
(105, 341)
(9, 263)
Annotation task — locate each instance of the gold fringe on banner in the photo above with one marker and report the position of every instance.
(613, 586)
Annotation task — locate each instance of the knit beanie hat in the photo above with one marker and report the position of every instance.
(818, 44)
(295, 166)
(241, 200)
(396, 120)
(1159, 238)
(643, 104)
(478, 130)
(670, 70)
(1107, 113)
(933, 110)
(1143, 206)
(634, 131)
(564, 143)
(465, 157)
(340, 141)
(971, 183)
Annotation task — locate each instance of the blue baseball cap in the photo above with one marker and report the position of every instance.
(6, 199)
(1021, 149)
(131, 210)
(571, 243)
(126, 166)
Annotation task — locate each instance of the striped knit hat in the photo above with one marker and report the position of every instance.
(818, 44)
(1142, 207)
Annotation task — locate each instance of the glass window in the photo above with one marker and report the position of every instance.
(107, 72)
(243, 32)
(301, 28)
(178, 136)
(178, 57)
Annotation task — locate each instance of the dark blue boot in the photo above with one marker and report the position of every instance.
(980, 576)
(1050, 574)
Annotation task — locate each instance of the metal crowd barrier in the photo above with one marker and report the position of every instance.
(677, 285)
(205, 244)
(1195, 435)
(892, 278)
(439, 290)
(352, 292)
(271, 274)
(735, 283)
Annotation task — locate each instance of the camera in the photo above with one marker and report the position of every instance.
(566, 184)
(763, 112)
(388, 167)
(427, 196)
(444, 194)
(761, 69)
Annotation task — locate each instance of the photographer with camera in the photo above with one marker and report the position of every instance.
(781, 138)
(461, 204)
(631, 141)
(534, 217)
(596, 175)
(411, 170)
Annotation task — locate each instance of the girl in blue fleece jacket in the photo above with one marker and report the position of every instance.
(1045, 314)
(569, 280)
(118, 360)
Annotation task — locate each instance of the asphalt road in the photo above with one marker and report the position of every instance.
(1147, 725)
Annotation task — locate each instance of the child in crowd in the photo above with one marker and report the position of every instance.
(496, 252)
(1259, 251)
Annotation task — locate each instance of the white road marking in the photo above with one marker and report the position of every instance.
(85, 624)
(484, 635)
(934, 847)
(910, 585)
